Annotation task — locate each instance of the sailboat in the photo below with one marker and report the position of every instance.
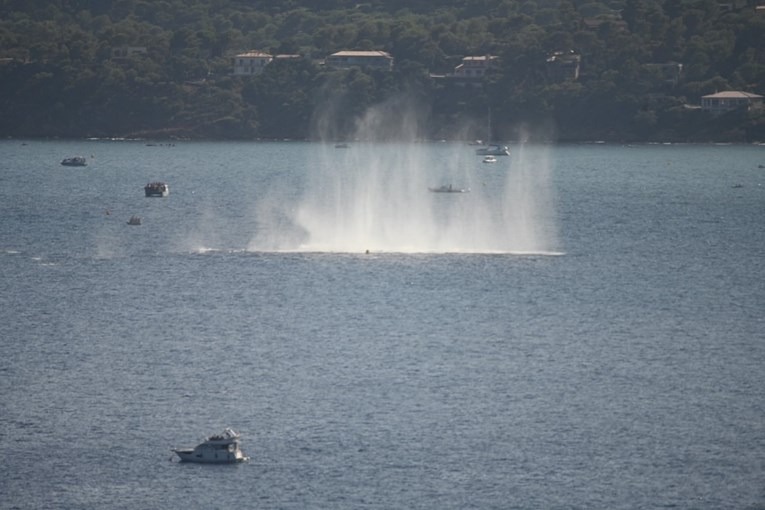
(492, 149)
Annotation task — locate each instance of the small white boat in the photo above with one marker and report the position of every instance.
(134, 220)
(489, 159)
(220, 448)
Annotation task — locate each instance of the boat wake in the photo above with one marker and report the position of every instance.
(205, 250)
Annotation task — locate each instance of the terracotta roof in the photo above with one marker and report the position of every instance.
(351, 53)
(732, 94)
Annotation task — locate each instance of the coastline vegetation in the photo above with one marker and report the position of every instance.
(61, 74)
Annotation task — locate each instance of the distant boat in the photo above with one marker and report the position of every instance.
(75, 161)
(493, 150)
(221, 448)
(341, 146)
(157, 189)
(449, 189)
(134, 220)
(489, 159)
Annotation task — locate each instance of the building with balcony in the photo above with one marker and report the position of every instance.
(723, 102)
(371, 59)
(475, 67)
(470, 72)
(251, 63)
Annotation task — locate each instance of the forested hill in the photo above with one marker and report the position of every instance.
(140, 68)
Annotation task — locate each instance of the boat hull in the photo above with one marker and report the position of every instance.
(449, 190)
(210, 457)
(217, 449)
(76, 161)
(493, 150)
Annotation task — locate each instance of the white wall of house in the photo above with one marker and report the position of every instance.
(474, 67)
(730, 100)
(373, 59)
(251, 63)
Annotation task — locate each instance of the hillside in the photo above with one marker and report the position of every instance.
(134, 68)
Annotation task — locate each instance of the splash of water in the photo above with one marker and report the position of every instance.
(374, 197)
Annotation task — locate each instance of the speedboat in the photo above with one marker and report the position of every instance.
(489, 159)
(449, 189)
(220, 448)
(493, 150)
(75, 161)
(157, 189)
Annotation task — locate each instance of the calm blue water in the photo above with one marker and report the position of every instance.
(584, 329)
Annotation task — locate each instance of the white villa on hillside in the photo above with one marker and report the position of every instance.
(475, 67)
(470, 72)
(251, 63)
(730, 100)
(374, 59)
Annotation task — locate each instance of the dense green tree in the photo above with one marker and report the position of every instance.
(61, 73)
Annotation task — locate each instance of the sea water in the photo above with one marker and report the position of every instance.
(583, 329)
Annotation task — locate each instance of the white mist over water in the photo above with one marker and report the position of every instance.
(374, 197)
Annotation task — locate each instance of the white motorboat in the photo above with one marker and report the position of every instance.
(220, 448)
(489, 159)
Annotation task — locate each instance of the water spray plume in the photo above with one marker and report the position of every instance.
(374, 197)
